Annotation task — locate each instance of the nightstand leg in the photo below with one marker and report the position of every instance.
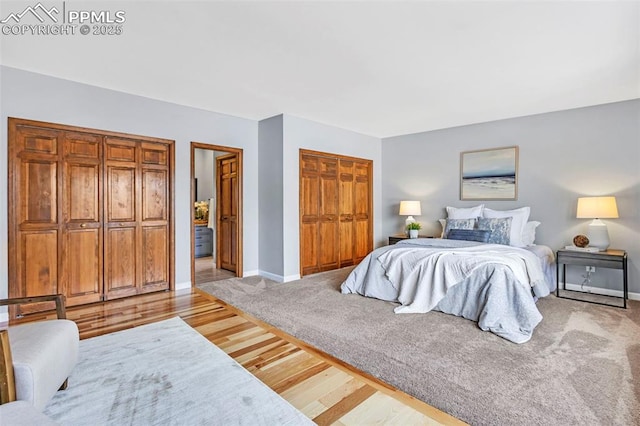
(625, 289)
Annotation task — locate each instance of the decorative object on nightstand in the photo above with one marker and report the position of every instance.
(597, 208)
(413, 229)
(410, 208)
(580, 241)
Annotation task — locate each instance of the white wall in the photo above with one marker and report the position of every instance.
(300, 133)
(563, 155)
(38, 97)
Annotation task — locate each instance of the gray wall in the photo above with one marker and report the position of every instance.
(271, 203)
(280, 140)
(563, 155)
(300, 133)
(38, 97)
(204, 169)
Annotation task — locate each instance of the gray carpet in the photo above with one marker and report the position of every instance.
(165, 373)
(582, 365)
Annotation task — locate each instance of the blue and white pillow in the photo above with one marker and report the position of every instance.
(458, 224)
(500, 229)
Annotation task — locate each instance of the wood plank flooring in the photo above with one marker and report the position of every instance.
(322, 387)
(206, 271)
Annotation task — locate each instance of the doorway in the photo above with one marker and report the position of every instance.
(216, 216)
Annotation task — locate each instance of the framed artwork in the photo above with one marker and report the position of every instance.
(489, 174)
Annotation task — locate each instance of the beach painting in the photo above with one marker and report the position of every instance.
(489, 174)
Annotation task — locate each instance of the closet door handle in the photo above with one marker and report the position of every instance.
(83, 225)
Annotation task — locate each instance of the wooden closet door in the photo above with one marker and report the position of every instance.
(34, 222)
(336, 228)
(121, 262)
(319, 214)
(227, 211)
(347, 213)
(81, 277)
(363, 206)
(309, 213)
(137, 217)
(154, 217)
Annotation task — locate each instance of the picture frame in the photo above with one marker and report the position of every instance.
(489, 174)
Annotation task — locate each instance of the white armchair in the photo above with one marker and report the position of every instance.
(36, 358)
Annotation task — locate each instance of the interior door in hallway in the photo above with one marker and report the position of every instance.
(227, 189)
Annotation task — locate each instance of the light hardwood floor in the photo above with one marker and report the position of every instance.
(324, 388)
(207, 272)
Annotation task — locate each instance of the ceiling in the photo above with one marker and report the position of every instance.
(378, 68)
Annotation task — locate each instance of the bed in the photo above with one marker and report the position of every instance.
(495, 285)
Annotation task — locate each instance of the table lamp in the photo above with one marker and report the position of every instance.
(597, 208)
(409, 208)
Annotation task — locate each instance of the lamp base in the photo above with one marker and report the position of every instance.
(408, 221)
(598, 235)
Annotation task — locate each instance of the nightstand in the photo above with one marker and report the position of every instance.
(611, 259)
(399, 237)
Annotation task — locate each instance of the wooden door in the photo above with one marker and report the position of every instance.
(137, 217)
(335, 211)
(90, 213)
(347, 212)
(121, 230)
(227, 189)
(363, 206)
(34, 212)
(154, 217)
(319, 215)
(81, 227)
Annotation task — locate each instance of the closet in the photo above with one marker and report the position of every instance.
(90, 212)
(336, 220)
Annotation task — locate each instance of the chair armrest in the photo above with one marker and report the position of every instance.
(58, 298)
(7, 380)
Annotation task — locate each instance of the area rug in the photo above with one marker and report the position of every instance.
(165, 373)
(582, 365)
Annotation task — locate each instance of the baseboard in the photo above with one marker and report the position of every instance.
(279, 278)
(250, 273)
(272, 277)
(183, 286)
(600, 290)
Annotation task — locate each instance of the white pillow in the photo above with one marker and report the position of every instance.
(443, 223)
(520, 217)
(465, 213)
(529, 233)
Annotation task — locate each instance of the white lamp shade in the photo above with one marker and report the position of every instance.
(597, 208)
(410, 208)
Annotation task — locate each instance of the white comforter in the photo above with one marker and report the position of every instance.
(443, 268)
(492, 285)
